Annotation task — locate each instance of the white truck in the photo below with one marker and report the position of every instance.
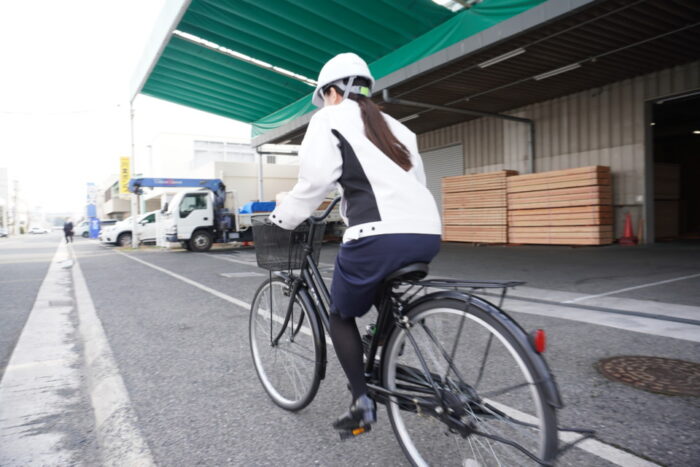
(198, 218)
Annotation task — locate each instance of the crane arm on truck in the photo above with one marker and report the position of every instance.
(215, 185)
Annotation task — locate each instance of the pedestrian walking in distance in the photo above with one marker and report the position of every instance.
(68, 231)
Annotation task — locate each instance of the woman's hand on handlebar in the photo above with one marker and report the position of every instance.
(329, 208)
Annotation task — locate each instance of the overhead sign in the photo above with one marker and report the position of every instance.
(124, 175)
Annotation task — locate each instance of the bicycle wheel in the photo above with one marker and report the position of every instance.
(289, 369)
(489, 390)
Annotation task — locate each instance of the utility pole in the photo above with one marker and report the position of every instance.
(14, 208)
(134, 196)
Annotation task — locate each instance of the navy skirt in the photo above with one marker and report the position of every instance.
(363, 264)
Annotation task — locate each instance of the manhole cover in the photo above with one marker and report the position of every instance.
(654, 374)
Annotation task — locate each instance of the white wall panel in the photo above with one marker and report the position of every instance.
(439, 163)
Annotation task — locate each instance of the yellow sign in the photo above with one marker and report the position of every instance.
(124, 175)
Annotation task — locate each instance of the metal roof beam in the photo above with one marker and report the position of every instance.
(530, 123)
(391, 100)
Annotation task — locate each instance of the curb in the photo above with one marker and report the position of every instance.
(118, 435)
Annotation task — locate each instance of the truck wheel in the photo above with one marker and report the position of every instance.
(85, 234)
(124, 239)
(200, 241)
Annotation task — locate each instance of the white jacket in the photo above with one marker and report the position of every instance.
(379, 197)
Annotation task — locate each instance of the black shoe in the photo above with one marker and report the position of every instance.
(363, 412)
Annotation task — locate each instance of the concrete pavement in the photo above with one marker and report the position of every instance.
(181, 347)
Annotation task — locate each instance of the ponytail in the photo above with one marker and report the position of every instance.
(376, 128)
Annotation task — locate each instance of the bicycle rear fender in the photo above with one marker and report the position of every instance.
(549, 385)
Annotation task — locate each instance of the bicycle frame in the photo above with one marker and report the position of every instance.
(392, 308)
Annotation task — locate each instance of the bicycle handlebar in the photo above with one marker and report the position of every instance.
(319, 219)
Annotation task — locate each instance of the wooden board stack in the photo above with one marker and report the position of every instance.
(563, 207)
(474, 207)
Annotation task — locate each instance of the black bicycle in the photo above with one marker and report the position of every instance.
(462, 382)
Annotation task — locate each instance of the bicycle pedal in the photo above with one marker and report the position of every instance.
(355, 432)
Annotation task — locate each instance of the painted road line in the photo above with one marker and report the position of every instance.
(121, 442)
(241, 275)
(595, 447)
(203, 287)
(627, 289)
(623, 310)
(233, 260)
(41, 383)
(255, 265)
(214, 292)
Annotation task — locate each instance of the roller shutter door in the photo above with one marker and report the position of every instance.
(443, 162)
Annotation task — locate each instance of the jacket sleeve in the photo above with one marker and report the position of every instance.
(320, 166)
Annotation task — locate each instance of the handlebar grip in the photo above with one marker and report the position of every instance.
(319, 219)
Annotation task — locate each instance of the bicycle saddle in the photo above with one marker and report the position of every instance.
(410, 272)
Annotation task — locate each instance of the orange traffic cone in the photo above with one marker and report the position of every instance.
(628, 237)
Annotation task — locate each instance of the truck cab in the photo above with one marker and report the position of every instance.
(189, 219)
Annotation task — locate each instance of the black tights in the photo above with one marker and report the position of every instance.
(348, 346)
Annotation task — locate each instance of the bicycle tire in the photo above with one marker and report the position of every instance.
(422, 443)
(290, 372)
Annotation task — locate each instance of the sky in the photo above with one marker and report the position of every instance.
(64, 96)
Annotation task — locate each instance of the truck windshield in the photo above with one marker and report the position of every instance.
(192, 202)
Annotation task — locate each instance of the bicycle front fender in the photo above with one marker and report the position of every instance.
(317, 328)
(539, 364)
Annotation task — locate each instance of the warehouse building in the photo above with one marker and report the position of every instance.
(529, 86)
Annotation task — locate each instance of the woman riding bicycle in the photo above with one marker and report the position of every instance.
(392, 218)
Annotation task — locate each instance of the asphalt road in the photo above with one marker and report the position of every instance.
(23, 265)
(183, 354)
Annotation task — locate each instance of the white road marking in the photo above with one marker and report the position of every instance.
(42, 379)
(214, 292)
(593, 446)
(233, 260)
(120, 439)
(237, 275)
(626, 289)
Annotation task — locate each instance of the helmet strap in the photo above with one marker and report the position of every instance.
(348, 87)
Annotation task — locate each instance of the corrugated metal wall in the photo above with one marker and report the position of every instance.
(600, 126)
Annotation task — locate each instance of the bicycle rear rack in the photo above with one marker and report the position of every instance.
(415, 287)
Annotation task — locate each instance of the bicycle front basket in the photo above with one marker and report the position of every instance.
(277, 249)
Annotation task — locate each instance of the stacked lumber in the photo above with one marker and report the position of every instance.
(562, 207)
(474, 207)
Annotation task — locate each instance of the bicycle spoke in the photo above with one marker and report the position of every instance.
(483, 362)
(500, 392)
(450, 359)
(296, 354)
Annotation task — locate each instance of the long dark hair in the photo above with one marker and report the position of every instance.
(376, 129)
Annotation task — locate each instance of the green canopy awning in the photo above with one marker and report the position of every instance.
(299, 36)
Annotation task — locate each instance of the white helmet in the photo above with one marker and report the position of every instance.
(337, 68)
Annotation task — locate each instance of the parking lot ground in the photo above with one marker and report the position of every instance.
(656, 427)
(177, 326)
